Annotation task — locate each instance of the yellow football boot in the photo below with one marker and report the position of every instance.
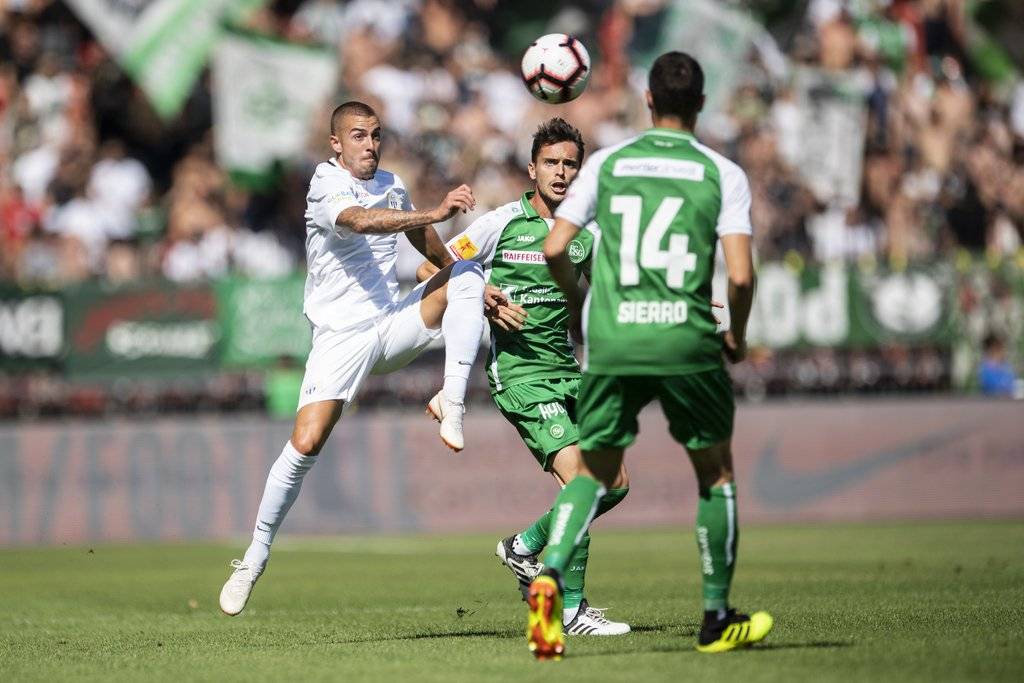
(544, 627)
(736, 630)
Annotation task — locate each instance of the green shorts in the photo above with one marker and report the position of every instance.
(699, 408)
(544, 413)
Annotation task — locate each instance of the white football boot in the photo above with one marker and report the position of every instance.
(238, 588)
(449, 414)
(590, 621)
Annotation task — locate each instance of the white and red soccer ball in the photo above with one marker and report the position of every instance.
(556, 68)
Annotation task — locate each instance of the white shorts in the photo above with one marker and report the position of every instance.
(340, 360)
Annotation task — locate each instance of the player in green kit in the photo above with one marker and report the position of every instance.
(533, 372)
(663, 202)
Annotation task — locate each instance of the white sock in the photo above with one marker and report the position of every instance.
(462, 325)
(569, 613)
(520, 548)
(283, 484)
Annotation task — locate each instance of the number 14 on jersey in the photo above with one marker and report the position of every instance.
(676, 261)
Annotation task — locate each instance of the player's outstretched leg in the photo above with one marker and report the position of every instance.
(723, 628)
(573, 511)
(312, 426)
(519, 553)
(462, 324)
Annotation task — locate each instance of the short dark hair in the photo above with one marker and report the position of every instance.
(351, 107)
(553, 131)
(676, 83)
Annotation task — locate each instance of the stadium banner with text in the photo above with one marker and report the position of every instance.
(145, 329)
(811, 461)
(160, 327)
(844, 306)
(261, 321)
(163, 44)
(31, 329)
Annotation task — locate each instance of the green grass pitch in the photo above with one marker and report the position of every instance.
(887, 602)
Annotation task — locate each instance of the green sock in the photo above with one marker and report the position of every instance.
(573, 511)
(576, 574)
(717, 535)
(536, 536)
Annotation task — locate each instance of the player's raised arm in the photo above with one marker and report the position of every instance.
(385, 221)
(576, 210)
(561, 267)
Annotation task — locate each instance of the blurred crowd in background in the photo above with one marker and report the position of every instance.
(94, 186)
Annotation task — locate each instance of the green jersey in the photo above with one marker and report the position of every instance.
(509, 243)
(662, 200)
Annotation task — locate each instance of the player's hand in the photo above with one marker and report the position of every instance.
(735, 350)
(459, 199)
(716, 304)
(501, 312)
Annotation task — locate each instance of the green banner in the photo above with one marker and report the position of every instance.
(159, 328)
(845, 306)
(262, 321)
(163, 44)
(31, 329)
(147, 329)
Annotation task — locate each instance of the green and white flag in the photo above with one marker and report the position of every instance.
(265, 93)
(720, 38)
(162, 44)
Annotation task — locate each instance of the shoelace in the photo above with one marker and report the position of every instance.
(597, 614)
(240, 566)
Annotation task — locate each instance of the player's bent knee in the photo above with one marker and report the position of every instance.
(466, 279)
(308, 441)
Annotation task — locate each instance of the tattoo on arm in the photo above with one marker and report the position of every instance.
(383, 221)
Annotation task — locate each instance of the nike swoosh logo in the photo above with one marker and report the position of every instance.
(775, 485)
(462, 362)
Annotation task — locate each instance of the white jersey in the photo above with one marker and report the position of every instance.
(351, 278)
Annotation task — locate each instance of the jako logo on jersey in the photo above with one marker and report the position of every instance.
(464, 248)
(514, 256)
(529, 239)
(576, 251)
(549, 410)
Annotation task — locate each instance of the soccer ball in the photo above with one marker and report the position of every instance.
(556, 68)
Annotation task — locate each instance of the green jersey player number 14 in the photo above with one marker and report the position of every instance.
(676, 261)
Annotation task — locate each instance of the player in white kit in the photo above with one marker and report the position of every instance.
(354, 212)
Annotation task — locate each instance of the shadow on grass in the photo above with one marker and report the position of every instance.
(492, 633)
(687, 646)
(811, 645)
(683, 629)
